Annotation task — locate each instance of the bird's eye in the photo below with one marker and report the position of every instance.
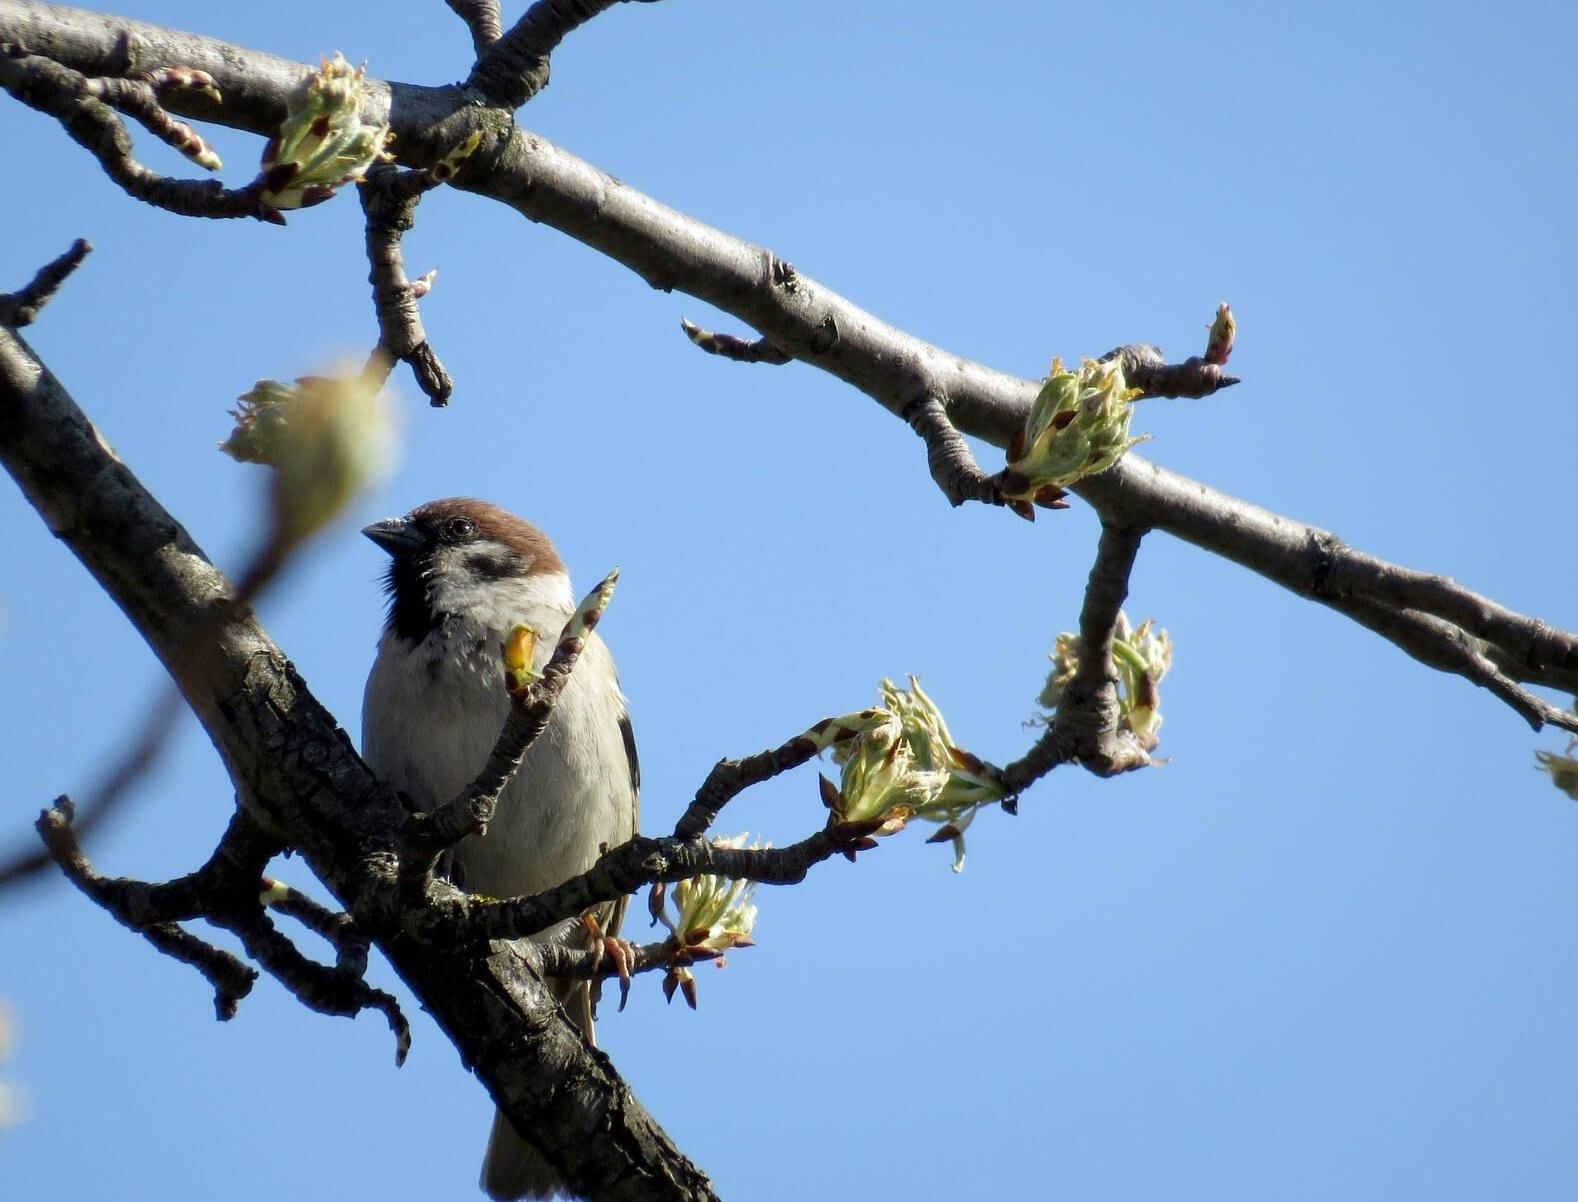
(459, 528)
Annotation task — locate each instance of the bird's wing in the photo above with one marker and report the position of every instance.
(615, 913)
(628, 734)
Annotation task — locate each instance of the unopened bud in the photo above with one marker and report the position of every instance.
(1219, 345)
(520, 649)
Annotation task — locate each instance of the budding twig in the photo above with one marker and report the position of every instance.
(1085, 729)
(389, 199)
(1145, 369)
(729, 778)
(531, 706)
(69, 97)
(340, 930)
(633, 865)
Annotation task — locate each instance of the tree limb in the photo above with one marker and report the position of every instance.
(795, 314)
(304, 785)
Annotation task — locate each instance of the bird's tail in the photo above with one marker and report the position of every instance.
(513, 1169)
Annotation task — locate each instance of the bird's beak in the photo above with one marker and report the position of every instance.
(394, 535)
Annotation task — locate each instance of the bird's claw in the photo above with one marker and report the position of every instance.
(621, 951)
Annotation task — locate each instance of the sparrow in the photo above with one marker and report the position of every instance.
(462, 573)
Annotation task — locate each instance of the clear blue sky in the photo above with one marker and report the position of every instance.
(1328, 951)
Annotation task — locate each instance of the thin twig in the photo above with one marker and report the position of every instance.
(631, 866)
(952, 465)
(594, 964)
(514, 67)
(482, 19)
(139, 100)
(21, 309)
(338, 929)
(389, 197)
(1441, 645)
(729, 778)
(231, 979)
(1145, 369)
(1085, 729)
(319, 987)
(45, 85)
(531, 708)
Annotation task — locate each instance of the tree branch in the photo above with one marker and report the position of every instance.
(514, 68)
(1085, 729)
(303, 784)
(21, 309)
(632, 866)
(72, 99)
(389, 198)
(531, 708)
(150, 910)
(796, 315)
(482, 19)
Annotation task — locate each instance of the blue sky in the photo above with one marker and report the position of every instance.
(1326, 951)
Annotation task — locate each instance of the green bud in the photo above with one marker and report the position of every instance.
(712, 913)
(1219, 343)
(835, 732)
(326, 140)
(882, 783)
(1077, 426)
(1563, 771)
(1065, 662)
(908, 766)
(13, 1106)
(1141, 656)
(325, 437)
(520, 652)
(590, 611)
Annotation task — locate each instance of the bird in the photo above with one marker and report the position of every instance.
(462, 574)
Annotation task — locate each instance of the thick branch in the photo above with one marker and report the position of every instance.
(796, 315)
(305, 786)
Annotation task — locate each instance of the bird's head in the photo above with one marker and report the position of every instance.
(471, 560)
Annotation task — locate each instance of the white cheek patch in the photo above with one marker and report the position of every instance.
(457, 587)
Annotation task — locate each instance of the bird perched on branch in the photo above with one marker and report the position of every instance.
(462, 574)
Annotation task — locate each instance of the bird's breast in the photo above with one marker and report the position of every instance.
(431, 715)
